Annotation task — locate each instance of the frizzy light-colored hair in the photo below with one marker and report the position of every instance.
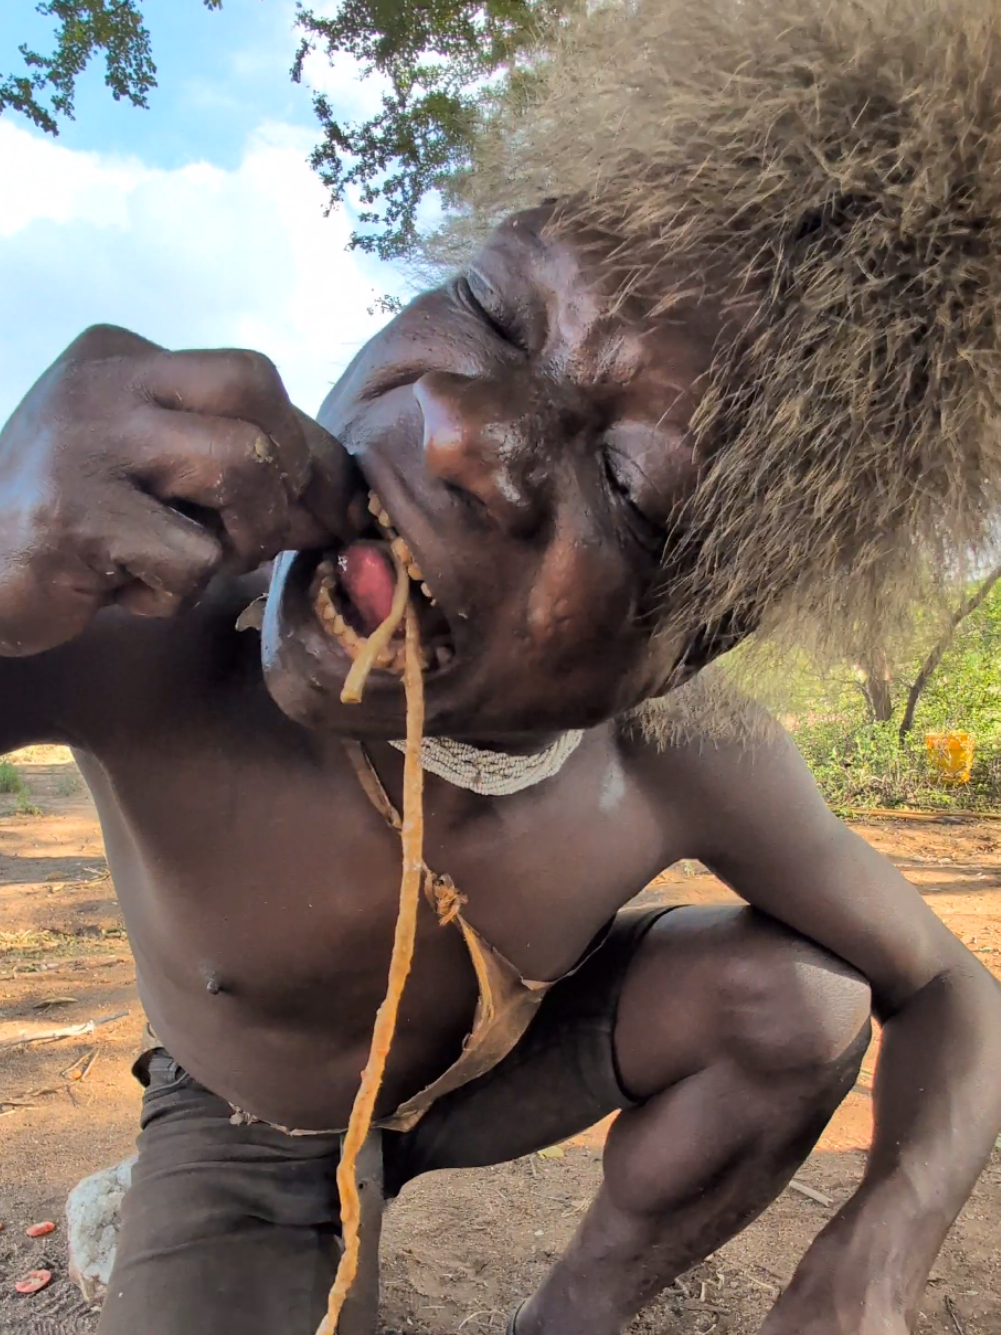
(830, 170)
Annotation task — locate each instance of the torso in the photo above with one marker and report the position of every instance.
(259, 887)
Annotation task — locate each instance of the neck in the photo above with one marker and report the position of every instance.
(520, 745)
(494, 773)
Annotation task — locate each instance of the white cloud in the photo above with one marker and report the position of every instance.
(352, 95)
(197, 256)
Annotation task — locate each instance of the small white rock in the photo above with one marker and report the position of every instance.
(93, 1214)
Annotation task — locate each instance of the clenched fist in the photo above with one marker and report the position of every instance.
(131, 474)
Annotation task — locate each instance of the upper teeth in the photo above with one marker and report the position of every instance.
(399, 546)
(392, 656)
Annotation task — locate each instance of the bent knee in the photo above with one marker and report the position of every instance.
(790, 1004)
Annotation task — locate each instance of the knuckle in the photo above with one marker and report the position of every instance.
(96, 338)
(99, 341)
(258, 374)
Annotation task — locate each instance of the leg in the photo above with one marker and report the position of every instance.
(740, 1040)
(225, 1228)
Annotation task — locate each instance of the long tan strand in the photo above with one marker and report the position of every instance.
(354, 684)
(412, 837)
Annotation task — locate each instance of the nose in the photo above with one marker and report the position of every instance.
(493, 440)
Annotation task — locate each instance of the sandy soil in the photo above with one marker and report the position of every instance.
(460, 1248)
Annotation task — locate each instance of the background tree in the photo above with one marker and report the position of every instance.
(440, 61)
(876, 683)
(43, 91)
(934, 657)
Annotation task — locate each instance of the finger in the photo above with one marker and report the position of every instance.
(234, 384)
(142, 601)
(336, 492)
(306, 532)
(150, 544)
(102, 341)
(216, 464)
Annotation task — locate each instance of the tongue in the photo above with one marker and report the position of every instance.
(369, 579)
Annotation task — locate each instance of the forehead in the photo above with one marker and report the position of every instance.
(562, 287)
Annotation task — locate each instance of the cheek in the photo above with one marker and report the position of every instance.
(583, 598)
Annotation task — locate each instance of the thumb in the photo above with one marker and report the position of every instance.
(333, 502)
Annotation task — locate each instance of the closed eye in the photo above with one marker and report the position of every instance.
(647, 531)
(477, 304)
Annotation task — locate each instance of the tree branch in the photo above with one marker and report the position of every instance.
(928, 667)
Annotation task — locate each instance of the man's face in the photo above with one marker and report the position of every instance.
(529, 444)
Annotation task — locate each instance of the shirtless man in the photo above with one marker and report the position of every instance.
(529, 440)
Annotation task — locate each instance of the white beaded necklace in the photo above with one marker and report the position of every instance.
(493, 773)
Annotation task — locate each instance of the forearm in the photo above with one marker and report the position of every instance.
(937, 1113)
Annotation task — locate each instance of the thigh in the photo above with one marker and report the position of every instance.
(561, 1079)
(727, 983)
(225, 1227)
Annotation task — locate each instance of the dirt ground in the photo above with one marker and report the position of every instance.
(461, 1248)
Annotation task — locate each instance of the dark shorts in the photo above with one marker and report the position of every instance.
(233, 1227)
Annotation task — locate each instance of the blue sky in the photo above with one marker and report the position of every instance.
(197, 223)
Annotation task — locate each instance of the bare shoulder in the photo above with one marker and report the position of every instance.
(752, 813)
(707, 712)
(716, 759)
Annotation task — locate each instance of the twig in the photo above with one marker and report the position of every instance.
(34, 968)
(949, 815)
(487, 1311)
(950, 1307)
(55, 1035)
(809, 1192)
(773, 1289)
(85, 1063)
(74, 1076)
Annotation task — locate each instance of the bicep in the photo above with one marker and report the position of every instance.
(769, 835)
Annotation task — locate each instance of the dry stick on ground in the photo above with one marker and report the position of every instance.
(85, 1063)
(74, 1078)
(809, 1192)
(71, 1031)
(950, 1307)
(76, 962)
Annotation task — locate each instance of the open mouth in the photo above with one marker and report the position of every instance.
(352, 594)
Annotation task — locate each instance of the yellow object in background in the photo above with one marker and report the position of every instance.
(950, 754)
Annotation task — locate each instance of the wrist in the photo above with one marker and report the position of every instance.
(877, 1252)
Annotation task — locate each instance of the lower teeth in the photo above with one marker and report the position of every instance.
(391, 658)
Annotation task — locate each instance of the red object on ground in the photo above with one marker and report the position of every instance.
(34, 1281)
(41, 1230)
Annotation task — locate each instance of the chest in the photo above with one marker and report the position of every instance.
(263, 856)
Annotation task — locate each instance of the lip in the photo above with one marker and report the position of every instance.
(415, 524)
(305, 665)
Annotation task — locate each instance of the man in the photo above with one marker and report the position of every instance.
(802, 409)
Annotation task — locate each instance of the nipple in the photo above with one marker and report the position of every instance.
(213, 982)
